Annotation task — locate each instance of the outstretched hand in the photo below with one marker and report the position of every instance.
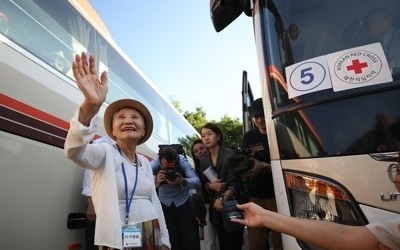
(85, 74)
(253, 215)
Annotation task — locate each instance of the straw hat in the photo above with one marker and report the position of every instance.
(128, 103)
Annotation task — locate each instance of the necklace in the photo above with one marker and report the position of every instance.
(128, 160)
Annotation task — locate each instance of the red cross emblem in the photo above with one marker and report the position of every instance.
(357, 66)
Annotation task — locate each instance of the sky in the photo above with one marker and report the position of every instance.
(176, 46)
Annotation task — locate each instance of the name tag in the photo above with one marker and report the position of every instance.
(132, 235)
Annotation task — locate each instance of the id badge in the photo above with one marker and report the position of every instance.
(132, 235)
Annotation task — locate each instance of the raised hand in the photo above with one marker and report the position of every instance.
(85, 74)
(94, 89)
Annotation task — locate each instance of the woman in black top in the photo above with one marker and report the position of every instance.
(220, 188)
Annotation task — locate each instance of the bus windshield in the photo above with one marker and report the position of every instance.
(324, 121)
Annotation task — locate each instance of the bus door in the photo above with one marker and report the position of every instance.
(247, 99)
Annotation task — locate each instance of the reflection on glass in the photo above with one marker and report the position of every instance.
(54, 32)
(328, 123)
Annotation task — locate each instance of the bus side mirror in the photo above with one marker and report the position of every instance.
(224, 12)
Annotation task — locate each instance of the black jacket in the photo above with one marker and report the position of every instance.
(262, 185)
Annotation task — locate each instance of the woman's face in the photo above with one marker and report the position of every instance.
(128, 123)
(198, 150)
(210, 138)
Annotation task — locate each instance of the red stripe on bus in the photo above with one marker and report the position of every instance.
(29, 110)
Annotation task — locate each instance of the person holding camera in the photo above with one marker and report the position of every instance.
(260, 187)
(175, 177)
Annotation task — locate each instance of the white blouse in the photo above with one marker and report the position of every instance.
(107, 184)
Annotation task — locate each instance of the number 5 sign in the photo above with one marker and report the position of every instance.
(308, 76)
(347, 69)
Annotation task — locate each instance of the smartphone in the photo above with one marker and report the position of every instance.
(231, 211)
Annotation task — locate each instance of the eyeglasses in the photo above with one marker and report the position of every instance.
(393, 170)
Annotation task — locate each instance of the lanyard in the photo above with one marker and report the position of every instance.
(128, 203)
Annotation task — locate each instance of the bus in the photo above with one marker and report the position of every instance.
(331, 89)
(40, 189)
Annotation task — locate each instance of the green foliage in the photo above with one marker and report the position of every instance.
(177, 105)
(187, 143)
(197, 119)
(232, 129)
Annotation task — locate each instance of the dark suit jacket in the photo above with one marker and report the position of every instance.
(222, 169)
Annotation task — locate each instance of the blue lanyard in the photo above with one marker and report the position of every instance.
(128, 203)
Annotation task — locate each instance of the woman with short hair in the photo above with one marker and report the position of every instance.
(128, 211)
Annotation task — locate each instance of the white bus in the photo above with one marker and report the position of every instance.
(39, 187)
(331, 95)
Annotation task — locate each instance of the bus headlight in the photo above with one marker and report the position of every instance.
(314, 198)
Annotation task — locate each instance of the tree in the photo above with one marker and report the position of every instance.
(232, 129)
(177, 105)
(197, 119)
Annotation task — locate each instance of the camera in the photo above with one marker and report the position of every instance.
(239, 161)
(171, 175)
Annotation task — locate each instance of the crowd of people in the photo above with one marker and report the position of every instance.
(168, 203)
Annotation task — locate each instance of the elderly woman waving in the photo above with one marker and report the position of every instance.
(128, 211)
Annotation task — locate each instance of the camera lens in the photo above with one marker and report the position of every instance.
(171, 175)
